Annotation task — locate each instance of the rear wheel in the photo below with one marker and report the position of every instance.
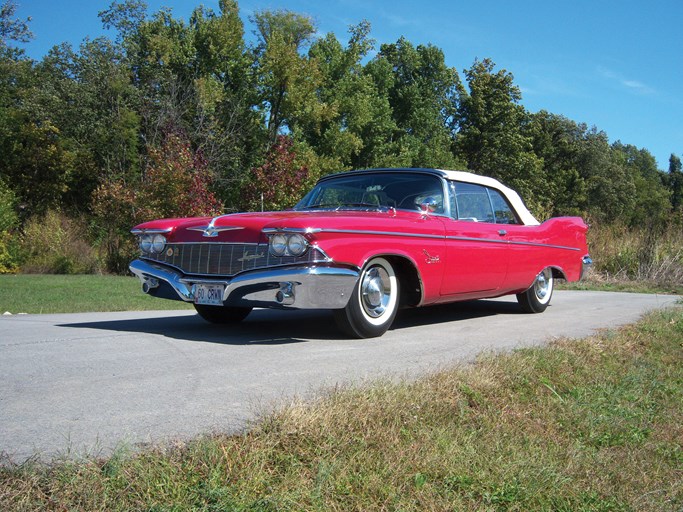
(372, 308)
(537, 298)
(222, 314)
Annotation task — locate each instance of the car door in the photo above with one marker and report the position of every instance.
(477, 252)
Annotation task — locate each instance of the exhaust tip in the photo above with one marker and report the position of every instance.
(149, 284)
(285, 294)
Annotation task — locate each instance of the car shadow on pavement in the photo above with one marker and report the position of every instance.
(261, 327)
(276, 327)
(454, 311)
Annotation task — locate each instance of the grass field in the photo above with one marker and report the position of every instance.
(587, 425)
(40, 293)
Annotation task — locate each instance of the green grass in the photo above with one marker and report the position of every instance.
(41, 293)
(587, 425)
(27, 293)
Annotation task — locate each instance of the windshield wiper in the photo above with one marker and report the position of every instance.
(319, 206)
(341, 206)
(361, 205)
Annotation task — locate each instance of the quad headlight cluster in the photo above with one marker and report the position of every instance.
(152, 243)
(287, 244)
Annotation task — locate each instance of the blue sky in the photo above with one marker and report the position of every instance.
(615, 64)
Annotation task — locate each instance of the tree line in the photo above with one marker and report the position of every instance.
(175, 117)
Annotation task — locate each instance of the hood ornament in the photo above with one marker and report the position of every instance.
(212, 231)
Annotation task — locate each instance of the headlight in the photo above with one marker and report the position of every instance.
(158, 243)
(152, 243)
(288, 244)
(278, 245)
(296, 245)
(146, 243)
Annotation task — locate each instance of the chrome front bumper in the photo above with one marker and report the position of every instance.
(316, 287)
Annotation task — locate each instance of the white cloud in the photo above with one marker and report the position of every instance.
(631, 85)
(634, 84)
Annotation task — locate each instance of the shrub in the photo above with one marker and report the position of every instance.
(8, 259)
(9, 221)
(57, 244)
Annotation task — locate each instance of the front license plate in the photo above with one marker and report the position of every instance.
(209, 294)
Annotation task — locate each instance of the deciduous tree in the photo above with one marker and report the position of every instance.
(423, 96)
(490, 134)
(12, 28)
(280, 182)
(287, 79)
(176, 184)
(675, 182)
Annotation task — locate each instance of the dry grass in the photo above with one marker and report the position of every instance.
(648, 254)
(586, 425)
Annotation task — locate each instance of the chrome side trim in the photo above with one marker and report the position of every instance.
(510, 242)
(381, 233)
(461, 238)
(475, 239)
(303, 231)
(551, 246)
(323, 287)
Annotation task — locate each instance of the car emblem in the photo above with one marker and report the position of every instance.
(431, 259)
(250, 257)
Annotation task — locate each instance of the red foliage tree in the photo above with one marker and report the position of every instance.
(279, 183)
(175, 184)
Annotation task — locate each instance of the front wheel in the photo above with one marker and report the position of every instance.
(537, 298)
(374, 303)
(222, 314)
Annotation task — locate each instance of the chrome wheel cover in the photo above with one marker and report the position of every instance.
(375, 291)
(543, 286)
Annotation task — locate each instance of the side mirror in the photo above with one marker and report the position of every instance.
(428, 205)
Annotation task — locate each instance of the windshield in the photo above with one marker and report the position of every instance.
(375, 191)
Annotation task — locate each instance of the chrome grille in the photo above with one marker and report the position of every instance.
(225, 259)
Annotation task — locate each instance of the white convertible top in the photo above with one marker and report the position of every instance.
(465, 176)
(513, 197)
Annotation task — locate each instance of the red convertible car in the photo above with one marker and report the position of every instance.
(363, 244)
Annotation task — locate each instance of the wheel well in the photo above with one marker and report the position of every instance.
(558, 273)
(411, 286)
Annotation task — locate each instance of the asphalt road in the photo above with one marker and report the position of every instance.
(83, 384)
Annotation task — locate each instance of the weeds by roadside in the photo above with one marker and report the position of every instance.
(594, 424)
(602, 283)
(647, 255)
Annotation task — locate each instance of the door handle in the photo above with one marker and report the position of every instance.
(502, 232)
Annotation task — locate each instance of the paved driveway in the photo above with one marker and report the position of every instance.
(83, 383)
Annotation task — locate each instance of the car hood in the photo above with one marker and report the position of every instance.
(248, 227)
